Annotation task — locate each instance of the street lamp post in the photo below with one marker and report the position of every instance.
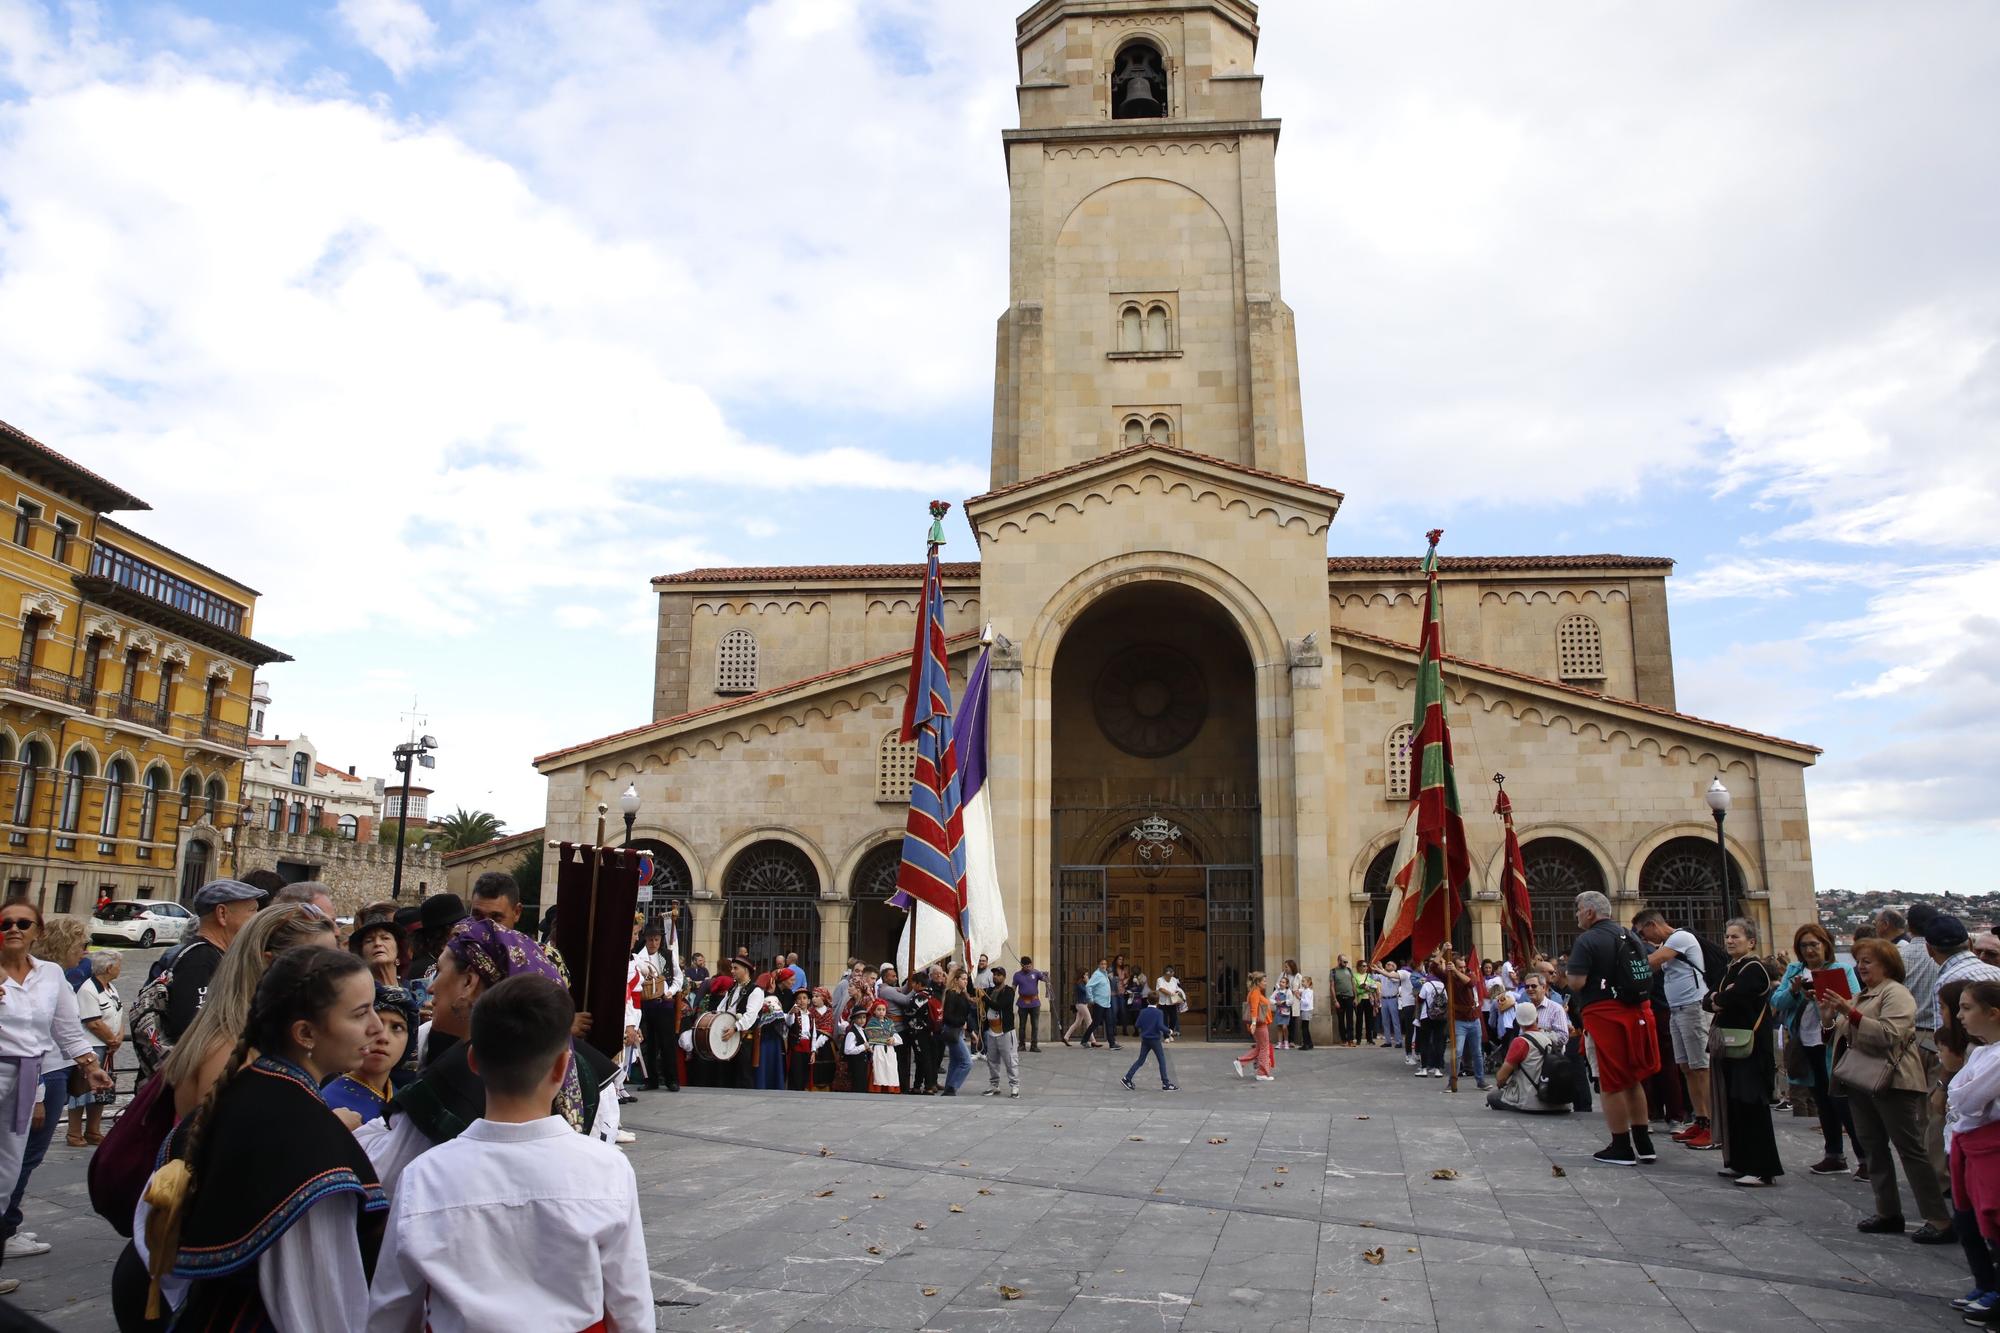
(1718, 803)
(628, 805)
(408, 756)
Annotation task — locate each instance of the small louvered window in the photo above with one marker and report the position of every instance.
(736, 663)
(1396, 764)
(1579, 649)
(896, 768)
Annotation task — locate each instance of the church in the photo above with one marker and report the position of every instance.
(1199, 721)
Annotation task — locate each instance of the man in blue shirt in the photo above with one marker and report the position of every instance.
(1028, 1000)
(1152, 1026)
(1100, 1003)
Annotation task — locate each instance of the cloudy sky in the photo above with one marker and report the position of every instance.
(448, 324)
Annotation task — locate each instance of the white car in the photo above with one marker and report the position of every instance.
(136, 921)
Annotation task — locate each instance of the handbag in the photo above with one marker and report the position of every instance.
(1739, 1043)
(1868, 1073)
(124, 1162)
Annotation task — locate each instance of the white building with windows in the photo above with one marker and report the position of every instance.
(289, 790)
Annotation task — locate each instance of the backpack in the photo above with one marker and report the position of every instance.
(923, 1017)
(147, 1020)
(1629, 978)
(1709, 974)
(124, 1161)
(1557, 1082)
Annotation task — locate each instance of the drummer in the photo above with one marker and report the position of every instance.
(744, 1002)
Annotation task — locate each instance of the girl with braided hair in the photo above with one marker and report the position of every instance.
(266, 1213)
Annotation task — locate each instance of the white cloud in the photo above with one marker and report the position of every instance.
(396, 32)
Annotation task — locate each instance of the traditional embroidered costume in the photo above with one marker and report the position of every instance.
(883, 1039)
(286, 1216)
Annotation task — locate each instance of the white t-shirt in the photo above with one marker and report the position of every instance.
(1684, 984)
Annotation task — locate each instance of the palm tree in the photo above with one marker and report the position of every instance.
(464, 828)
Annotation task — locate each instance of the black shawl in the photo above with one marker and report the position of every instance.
(447, 1096)
(271, 1150)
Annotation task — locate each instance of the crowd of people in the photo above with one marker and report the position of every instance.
(1893, 1053)
(409, 1126)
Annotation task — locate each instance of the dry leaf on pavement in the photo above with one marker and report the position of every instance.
(1374, 1256)
(825, 1151)
(1009, 1293)
(985, 1191)
(920, 1226)
(930, 1291)
(823, 1194)
(1220, 1140)
(956, 1209)
(1444, 1173)
(1557, 1172)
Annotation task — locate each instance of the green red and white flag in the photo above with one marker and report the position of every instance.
(1433, 865)
(1517, 914)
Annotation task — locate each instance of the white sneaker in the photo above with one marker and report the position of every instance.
(1237, 1065)
(1423, 1073)
(1264, 1078)
(9, 1285)
(627, 1136)
(24, 1245)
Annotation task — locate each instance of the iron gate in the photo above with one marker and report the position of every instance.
(1215, 838)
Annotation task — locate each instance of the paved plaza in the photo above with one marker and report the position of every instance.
(1308, 1203)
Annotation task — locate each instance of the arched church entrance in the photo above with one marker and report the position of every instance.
(1154, 797)
(874, 927)
(1683, 878)
(1558, 870)
(669, 903)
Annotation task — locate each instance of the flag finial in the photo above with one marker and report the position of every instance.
(939, 508)
(1435, 535)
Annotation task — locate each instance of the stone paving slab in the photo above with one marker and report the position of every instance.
(1229, 1205)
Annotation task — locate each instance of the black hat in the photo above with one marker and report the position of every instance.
(745, 964)
(1919, 917)
(370, 922)
(441, 911)
(1946, 934)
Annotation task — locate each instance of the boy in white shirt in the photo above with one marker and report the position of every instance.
(519, 1222)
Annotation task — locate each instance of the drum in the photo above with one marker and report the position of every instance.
(716, 1036)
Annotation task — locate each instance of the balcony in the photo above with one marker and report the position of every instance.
(227, 733)
(145, 714)
(23, 676)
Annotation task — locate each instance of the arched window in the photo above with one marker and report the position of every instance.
(736, 663)
(274, 815)
(895, 767)
(874, 926)
(213, 795)
(1683, 879)
(1131, 337)
(6, 747)
(297, 823)
(1160, 430)
(1579, 649)
(301, 762)
(350, 827)
(115, 778)
(1156, 329)
(1396, 764)
(673, 890)
(34, 758)
(194, 869)
(77, 767)
(149, 808)
(190, 791)
(1558, 870)
(1138, 82)
(1135, 432)
(770, 904)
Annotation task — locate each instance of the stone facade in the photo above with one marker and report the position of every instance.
(467, 864)
(1170, 638)
(358, 873)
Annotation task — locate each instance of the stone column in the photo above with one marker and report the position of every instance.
(835, 915)
(708, 929)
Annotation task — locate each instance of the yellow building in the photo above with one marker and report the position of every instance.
(125, 702)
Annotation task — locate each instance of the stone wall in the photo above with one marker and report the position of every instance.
(358, 873)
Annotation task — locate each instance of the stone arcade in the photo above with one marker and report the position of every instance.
(1198, 717)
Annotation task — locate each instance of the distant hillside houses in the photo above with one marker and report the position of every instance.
(1841, 911)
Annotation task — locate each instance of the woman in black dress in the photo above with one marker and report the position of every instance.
(1742, 1087)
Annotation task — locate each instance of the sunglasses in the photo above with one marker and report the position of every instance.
(17, 923)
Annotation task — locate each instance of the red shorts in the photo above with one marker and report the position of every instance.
(1627, 1042)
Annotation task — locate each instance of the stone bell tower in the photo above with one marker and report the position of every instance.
(1144, 299)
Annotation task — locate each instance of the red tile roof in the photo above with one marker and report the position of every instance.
(1340, 564)
(961, 569)
(329, 771)
(1544, 683)
(99, 491)
(952, 644)
(507, 843)
(1167, 449)
(1411, 564)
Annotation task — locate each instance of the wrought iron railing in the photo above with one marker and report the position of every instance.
(21, 674)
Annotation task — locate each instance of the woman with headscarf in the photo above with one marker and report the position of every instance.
(386, 1065)
(446, 1095)
(770, 1036)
